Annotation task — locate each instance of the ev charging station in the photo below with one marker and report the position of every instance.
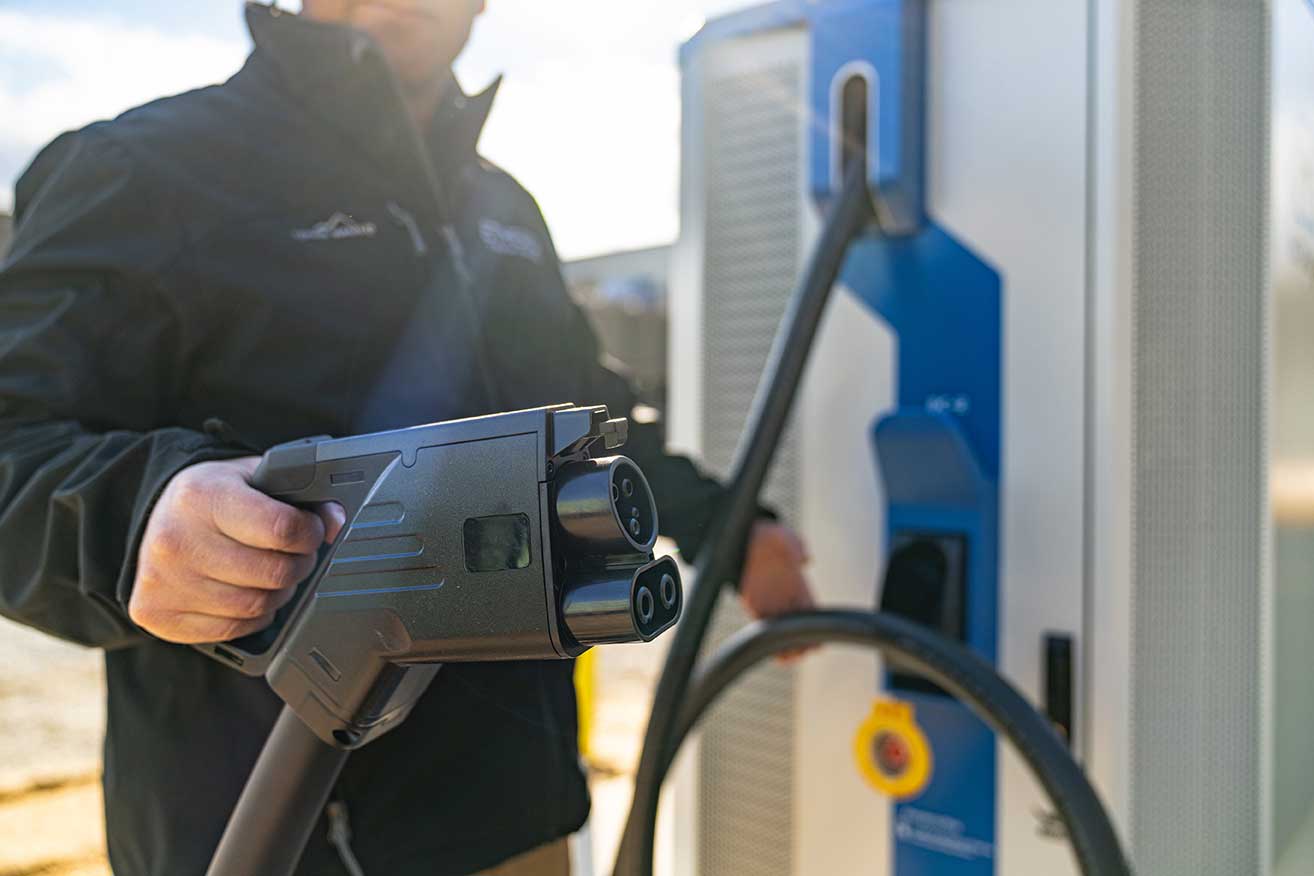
(1040, 418)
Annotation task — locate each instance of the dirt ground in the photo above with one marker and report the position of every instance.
(51, 724)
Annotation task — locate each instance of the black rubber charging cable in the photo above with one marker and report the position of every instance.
(718, 564)
(912, 648)
(677, 706)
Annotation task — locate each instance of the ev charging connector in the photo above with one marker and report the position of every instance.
(516, 536)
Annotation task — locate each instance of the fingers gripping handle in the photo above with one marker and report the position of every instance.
(295, 474)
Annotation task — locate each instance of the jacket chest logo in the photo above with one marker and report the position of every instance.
(510, 241)
(339, 226)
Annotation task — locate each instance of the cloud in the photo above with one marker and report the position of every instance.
(63, 72)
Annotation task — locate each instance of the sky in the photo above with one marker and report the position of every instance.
(588, 117)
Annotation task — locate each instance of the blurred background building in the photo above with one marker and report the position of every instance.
(624, 295)
(6, 231)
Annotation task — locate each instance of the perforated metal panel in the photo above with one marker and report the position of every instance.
(752, 153)
(1199, 371)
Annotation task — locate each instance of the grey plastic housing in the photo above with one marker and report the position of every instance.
(454, 551)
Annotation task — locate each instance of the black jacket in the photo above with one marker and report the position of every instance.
(280, 256)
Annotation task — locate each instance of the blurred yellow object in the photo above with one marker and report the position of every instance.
(1291, 490)
(585, 678)
(892, 752)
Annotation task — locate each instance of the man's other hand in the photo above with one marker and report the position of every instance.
(219, 557)
(773, 581)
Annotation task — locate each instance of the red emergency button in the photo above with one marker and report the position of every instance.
(892, 754)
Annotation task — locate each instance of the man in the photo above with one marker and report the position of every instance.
(313, 247)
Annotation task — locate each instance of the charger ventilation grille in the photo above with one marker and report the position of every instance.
(752, 153)
(1199, 382)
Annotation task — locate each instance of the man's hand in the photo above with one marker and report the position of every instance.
(219, 557)
(773, 582)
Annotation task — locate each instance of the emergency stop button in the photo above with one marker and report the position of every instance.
(892, 752)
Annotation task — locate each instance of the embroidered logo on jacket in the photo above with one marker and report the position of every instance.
(509, 241)
(339, 226)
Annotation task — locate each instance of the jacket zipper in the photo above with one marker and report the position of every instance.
(455, 249)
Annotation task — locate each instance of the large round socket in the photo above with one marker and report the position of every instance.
(628, 604)
(604, 506)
